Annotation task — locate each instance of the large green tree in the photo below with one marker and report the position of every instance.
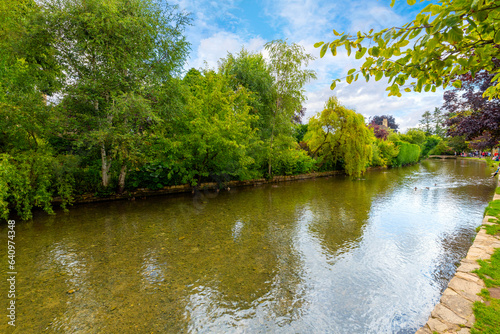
(287, 63)
(446, 39)
(339, 135)
(108, 49)
(213, 136)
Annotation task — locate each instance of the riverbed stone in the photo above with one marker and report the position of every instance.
(469, 277)
(464, 331)
(437, 325)
(461, 306)
(423, 330)
(466, 288)
(447, 315)
(467, 266)
(449, 292)
(476, 253)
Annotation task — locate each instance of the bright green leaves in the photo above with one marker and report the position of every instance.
(340, 134)
(348, 48)
(457, 84)
(497, 37)
(452, 40)
(334, 84)
(323, 50)
(360, 53)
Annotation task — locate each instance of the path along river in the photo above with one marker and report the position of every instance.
(329, 255)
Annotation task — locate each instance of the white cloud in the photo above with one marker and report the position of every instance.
(370, 99)
(215, 47)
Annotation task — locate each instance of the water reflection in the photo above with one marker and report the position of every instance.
(325, 255)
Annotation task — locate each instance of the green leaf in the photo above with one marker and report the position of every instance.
(403, 43)
(349, 79)
(457, 84)
(407, 90)
(348, 48)
(360, 53)
(351, 71)
(323, 50)
(411, 2)
(393, 2)
(378, 76)
(336, 33)
(334, 50)
(333, 85)
(496, 39)
(317, 45)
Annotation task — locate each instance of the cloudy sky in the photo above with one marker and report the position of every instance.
(223, 26)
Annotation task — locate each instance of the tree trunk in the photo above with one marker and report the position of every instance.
(121, 179)
(106, 165)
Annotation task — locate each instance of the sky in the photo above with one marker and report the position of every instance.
(226, 26)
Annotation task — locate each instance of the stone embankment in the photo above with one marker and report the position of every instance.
(453, 313)
(186, 188)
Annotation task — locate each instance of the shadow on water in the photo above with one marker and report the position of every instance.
(324, 255)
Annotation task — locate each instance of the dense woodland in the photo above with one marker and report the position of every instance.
(94, 100)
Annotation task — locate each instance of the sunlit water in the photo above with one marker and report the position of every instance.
(329, 255)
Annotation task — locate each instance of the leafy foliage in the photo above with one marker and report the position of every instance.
(338, 134)
(408, 153)
(448, 38)
(470, 114)
(287, 67)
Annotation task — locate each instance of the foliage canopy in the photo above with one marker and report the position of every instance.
(446, 39)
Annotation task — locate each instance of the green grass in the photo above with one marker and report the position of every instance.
(487, 316)
(490, 270)
(492, 229)
(493, 209)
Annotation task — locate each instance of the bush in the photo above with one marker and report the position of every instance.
(408, 154)
(32, 179)
(383, 153)
(292, 162)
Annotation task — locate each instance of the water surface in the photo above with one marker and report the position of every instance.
(325, 255)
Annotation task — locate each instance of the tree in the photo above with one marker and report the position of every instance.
(439, 121)
(469, 114)
(414, 136)
(449, 38)
(338, 134)
(391, 121)
(287, 62)
(379, 132)
(426, 122)
(252, 72)
(213, 135)
(108, 49)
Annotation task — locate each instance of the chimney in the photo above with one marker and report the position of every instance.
(384, 122)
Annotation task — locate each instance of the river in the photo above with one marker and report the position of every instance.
(326, 255)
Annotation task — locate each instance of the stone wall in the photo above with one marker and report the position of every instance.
(186, 188)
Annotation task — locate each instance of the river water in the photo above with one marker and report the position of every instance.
(329, 255)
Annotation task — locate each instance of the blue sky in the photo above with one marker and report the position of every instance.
(224, 26)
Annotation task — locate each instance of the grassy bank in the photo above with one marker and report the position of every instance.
(488, 313)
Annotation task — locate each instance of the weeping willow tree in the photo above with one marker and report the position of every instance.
(339, 135)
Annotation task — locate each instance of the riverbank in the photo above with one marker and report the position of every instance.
(186, 188)
(471, 300)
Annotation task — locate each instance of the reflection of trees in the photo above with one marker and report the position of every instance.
(166, 264)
